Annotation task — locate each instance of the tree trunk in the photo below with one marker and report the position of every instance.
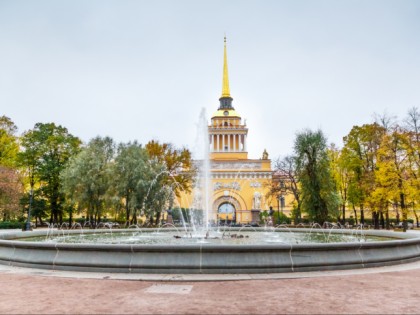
(382, 219)
(362, 215)
(375, 219)
(127, 213)
(158, 218)
(387, 219)
(397, 214)
(355, 215)
(70, 218)
(404, 211)
(134, 217)
(417, 217)
(127, 208)
(343, 221)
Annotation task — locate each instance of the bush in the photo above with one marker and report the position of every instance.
(11, 225)
(281, 218)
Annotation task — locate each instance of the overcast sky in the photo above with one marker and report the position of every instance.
(141, 70)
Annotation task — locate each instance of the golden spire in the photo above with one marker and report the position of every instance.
(225, 87)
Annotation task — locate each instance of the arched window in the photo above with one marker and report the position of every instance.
(226, 208)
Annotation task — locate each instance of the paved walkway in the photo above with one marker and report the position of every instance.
(385, 290)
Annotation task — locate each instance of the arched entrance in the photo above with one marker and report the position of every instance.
(226, 213)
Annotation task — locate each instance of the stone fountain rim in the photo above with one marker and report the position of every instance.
(208, 258)
(12, 239)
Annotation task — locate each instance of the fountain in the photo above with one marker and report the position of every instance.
(237, 250)
(205, 248)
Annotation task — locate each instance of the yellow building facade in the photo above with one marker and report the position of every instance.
(239, 185)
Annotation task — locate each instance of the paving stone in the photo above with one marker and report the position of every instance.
(169, 289)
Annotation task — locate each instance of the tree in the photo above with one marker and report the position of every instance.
(176, 175)
(8, 142)
(46, 151)
(39, 207)
(319, 198)
(341, 173)
(179, 171)
(130, 173)
(392, 172)
(11, 188)
(86, 181)
(159, 194)
(412, 130)
(289, 182)
(360, 151)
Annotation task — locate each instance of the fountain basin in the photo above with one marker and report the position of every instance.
(207, 258)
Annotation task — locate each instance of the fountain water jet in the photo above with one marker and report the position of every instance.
(202, 191)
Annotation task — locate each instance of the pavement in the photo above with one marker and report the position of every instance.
(382, 290)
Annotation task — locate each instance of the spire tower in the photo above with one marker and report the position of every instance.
(225, 99)
(225, 87)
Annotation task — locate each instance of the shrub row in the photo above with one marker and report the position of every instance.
(11, 225)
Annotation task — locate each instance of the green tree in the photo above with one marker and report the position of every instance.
(9, 146)
(159, 192)
(319, 198)
(39, 207)
(131, 170)
(87, 179)
(46, 151)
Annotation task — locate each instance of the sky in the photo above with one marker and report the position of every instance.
(142, 70)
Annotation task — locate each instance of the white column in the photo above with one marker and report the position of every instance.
(245, 142)
(212, 143)
(234, 143)
(218, 143)
(228, 142)
(223, 142)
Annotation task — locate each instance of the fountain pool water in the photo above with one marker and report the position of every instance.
(218, 237)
